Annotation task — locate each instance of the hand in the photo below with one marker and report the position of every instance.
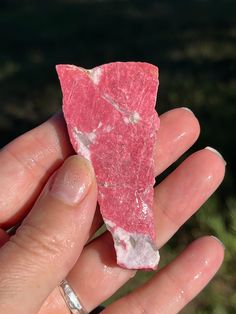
(50, 244)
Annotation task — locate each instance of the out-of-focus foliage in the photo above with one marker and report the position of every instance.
(194, 45)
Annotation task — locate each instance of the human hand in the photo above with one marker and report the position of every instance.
(49, 245)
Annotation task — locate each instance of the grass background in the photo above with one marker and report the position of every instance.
(194, 45)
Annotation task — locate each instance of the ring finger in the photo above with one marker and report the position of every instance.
(177, 283)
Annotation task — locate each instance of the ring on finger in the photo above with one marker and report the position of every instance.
(71, 299)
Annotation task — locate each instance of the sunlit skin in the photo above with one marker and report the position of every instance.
(32, 275)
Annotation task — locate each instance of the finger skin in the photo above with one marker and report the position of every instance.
(181, 194)
(95, 277)
(179, 129)
(30, 159)
(176, 284)
(28, 162)
(191, 183)
(50, 240)
(99, 261)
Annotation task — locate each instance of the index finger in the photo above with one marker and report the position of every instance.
(28, 161)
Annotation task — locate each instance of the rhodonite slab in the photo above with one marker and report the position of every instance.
(111, 119)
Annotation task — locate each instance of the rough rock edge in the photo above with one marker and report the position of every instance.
(133, 250)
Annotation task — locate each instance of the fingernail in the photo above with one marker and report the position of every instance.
(187, 109)
(72, 181)
(219, 241)
(216, 152)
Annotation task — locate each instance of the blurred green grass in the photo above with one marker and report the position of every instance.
(194, 45)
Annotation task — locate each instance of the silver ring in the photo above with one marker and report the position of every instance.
(71, 299)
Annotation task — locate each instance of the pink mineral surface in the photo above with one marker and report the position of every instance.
(111, 119)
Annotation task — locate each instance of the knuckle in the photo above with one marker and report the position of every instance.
(171, 215)
(38, 242)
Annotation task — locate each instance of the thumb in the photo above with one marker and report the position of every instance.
(50, 240)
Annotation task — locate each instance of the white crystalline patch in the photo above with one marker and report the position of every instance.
(133, 118)
(99, 125)
(110, 224)
(145, 208)
(108, 128)
(140, 202)
(84, 140)
(133, 250)
(95, 75)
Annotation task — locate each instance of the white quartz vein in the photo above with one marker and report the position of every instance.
(129, 117)
(85, 139)
(95, 75)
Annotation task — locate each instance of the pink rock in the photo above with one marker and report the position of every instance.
(111, 119)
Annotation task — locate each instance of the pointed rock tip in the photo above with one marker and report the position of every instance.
(61, 68)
